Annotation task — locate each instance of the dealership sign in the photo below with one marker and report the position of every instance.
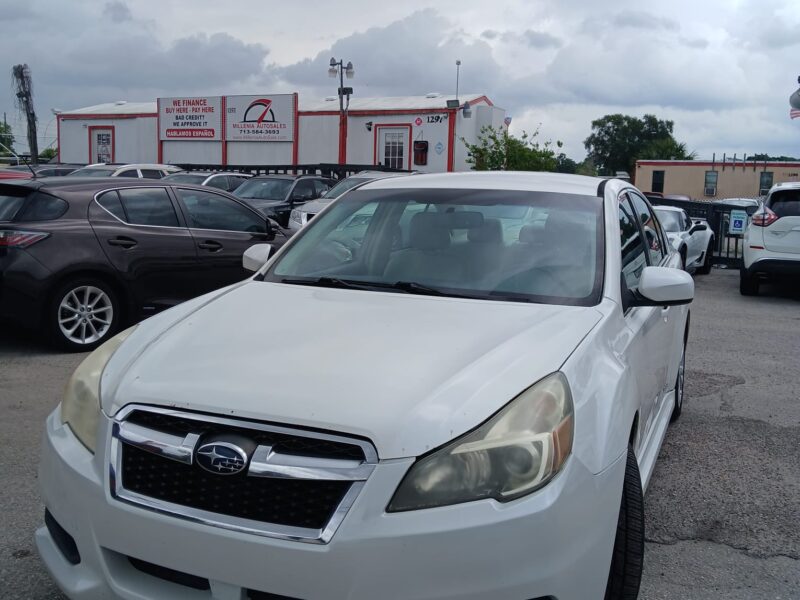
(263, 118)
(196, 118)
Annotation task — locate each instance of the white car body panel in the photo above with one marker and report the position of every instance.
(696, 243)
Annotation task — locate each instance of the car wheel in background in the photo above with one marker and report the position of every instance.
(708, 257)
(748, 285)
(679, 381)
(83, 314)
(628, 558)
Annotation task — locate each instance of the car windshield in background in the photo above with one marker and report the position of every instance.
(344, 185)
(186, 178)
(10, 204)
(494, 245)
(670, 220)
(264, 189)
(93, 172)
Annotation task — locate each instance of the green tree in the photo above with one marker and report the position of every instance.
(6, 138)
(497, 150)
(48, 154)
(564, 164)
(618, 141)
(587, 167)
(767, 157)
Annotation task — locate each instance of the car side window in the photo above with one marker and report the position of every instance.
(320, 186)
(43, 207)
(304, 190)
(152, 174)
(110, 201)
(235, 181)
(148, 206)
(651, 227)
(212, 211)
(220, 182)
(634, 258)
(129, 173)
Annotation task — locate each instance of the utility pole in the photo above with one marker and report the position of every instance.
(24, 88)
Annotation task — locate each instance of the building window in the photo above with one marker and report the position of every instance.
(765, 182)
(658, 182)
(710, 187)
(393, 150)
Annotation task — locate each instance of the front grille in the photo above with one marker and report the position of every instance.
(290, 444)
(290, 502)
(294, 483)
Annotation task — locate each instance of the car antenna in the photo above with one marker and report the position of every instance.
(10, 151)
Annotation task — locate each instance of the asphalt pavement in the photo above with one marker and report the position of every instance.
(723, 508)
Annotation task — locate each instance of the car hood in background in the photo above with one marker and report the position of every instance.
(314, 206)
(408, 372)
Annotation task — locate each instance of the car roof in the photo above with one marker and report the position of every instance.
(132, 166)
(494, 180)
(90, 183)
(287, 176)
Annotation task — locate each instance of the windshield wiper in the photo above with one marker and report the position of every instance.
(332, 282)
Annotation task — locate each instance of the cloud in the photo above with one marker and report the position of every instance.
(117, 11)
(644, 20)
(541, 39)
(697, 43)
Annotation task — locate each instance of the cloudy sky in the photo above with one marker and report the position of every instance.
(721, 69)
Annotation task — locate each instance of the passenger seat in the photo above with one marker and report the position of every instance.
(428, 258)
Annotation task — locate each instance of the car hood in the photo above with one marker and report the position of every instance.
(408, 372)
(314, 206)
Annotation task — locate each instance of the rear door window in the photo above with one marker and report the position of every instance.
(148, 206)
(129, 173)
(152, 174)
(785, 203)
(43, 207)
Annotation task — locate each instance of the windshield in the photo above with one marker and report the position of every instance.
(92, 172)
(344, 185)
(494, 245)
(264, 189)
(186, 178)
(670, 220)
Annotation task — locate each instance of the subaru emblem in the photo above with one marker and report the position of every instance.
(221, 458)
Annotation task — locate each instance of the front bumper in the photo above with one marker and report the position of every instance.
(554, 543)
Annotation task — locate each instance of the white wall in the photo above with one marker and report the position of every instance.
(135, 140)
(191, 152)
(319, 139)
(260, 153)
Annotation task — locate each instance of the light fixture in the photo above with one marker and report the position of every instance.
(333, 72)
(368, 125)
(333, 62)
(466, 110)
(349, 71)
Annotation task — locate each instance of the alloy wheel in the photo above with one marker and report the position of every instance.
(85, 315)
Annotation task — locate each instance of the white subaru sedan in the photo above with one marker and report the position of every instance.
(447, 386)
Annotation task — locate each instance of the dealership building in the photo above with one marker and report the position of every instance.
(711, 180)
(423, 133)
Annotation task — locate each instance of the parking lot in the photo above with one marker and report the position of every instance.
(722, 510)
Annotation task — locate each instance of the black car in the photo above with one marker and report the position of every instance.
(46, 170)
(79, 258)
(276, 195)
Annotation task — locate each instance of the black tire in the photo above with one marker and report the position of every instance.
(748, 285)
(679, 388)
(627, 560)
(95, 321)
(707, 259)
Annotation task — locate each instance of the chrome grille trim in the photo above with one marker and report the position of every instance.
(265, 462)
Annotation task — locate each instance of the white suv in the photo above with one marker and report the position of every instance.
(463, 398)
(772, 240)
(140, 171)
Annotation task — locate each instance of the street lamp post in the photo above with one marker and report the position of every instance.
(337, 67)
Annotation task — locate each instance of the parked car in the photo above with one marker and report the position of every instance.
(691, 238)
(301, 215)
(80, 258)
(143, 171)
(500, 355)
(222, 180)
(772, 239)
(44, 170)
(745, 203)
(276, 196)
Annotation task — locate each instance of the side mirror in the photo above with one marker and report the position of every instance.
(662, 286)
(698, 227)
(256, 256)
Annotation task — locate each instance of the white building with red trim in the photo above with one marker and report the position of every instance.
(410, 132)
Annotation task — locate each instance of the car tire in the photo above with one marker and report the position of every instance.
(708, 257)
(748, 285)
(679, 387)
(627, 559)
(82, 314)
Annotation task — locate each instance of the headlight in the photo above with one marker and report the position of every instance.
(296, 216)
(80, 408)
(515, 452)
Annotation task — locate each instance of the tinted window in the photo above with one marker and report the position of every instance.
(211, 211)
(148, 206)
(671, 220)
(304, 190)
(152, 174)
(650, 226)
(492, 245)
(235, 181)
(221, 182)
(785, 203)
(320, 186)
(10, 202)
(43, 207)
(92, 172)
(129, 173)
(264, 189)
(630, 241)
(344, 185)
(110, 201)
(186, 178)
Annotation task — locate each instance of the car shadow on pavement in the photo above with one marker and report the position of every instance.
(15, 340)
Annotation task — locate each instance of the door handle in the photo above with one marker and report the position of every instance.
(210, 245)
(124, 242)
